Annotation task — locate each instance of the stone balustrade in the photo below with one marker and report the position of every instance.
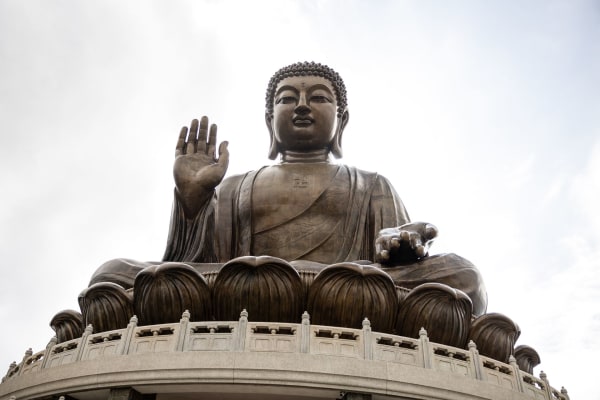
(246, 336)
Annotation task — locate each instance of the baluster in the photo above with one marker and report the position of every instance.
(477, 363)
(240, 341)
(544, 378)
(83, 341)
(128, 336)
(28, 353)
(48, 352)
(305, 333)
(183, 330)
(367, 340)
(425, 348)
(517, 373)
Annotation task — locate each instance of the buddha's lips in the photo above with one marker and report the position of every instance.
(303, 121)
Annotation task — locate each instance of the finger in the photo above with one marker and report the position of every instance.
(415, 240)
(202, 134)
(223, 154)
(430, 232)
(191, 138)
(212, 141)
(420, 251)
(404, 236)
(180, 148)
(384, 255)
(395, 243)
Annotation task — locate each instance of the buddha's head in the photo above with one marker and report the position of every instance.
(306, 110)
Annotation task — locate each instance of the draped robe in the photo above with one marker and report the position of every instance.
(339, 223)
(349, 213)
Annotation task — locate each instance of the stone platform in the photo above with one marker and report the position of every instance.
(241, 359)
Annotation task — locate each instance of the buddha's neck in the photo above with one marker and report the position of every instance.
(321, 155)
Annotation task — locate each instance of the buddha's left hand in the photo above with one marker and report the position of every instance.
(404, 244)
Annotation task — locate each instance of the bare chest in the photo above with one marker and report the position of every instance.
(284, 191)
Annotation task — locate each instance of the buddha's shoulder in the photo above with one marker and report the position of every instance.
(368, 175)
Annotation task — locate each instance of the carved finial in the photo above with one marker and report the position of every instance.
(186, 315)
(366, 323)
(13, 364)
(472, 345)
(52, 342)
(305, 318)
(29, 352)
(512, 360)
(244, 314)
(543, 376)
(89, 330)
(133, 320)
(422, 333)
(563, 390)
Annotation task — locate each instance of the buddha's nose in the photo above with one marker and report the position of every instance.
(302, 108)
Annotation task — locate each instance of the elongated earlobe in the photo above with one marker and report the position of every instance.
(273, 148)
(336, 144)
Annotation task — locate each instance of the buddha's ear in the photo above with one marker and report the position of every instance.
(273, 148)
(336, 145)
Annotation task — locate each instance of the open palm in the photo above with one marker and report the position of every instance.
(197, 171)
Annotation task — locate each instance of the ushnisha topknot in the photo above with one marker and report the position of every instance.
(307, 69)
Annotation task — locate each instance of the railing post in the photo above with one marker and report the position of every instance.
(367, 340)
(305, 333)
(425, 348)
(513, 363)
(126, 341)
(240, 342)
(11, 368)
(564, 392)
(48, 352)
(28, 353)
(476, 361)
(183, 330)
(544, 378)
(83, 341)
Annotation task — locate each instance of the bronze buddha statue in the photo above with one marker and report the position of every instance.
(315, 220)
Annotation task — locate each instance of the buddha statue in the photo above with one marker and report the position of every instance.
(301, 227)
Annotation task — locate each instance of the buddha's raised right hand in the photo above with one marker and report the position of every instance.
(196, 170)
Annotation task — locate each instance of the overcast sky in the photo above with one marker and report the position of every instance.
(485, 116)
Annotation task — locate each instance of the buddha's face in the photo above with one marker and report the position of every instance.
(304, 114)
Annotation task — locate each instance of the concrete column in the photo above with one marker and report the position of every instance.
(129, 394)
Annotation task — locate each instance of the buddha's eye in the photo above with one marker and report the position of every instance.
(286, 100)
(320, 99)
